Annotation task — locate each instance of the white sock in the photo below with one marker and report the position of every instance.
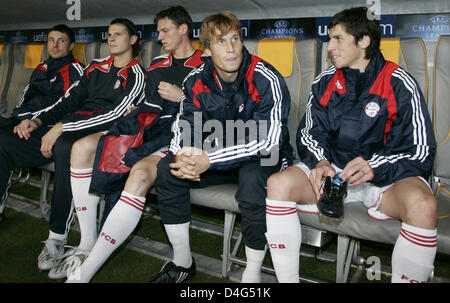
(55, 236)
(413, 254)
(284, 237)
(255, 259)
(178, 235)
(85, 206)
(121, 222)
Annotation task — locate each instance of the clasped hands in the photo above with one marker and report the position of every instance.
(24, 129)
(190, 163)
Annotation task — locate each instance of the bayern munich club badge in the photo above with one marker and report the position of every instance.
(372, 109)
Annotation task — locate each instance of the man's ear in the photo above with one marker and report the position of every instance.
(364, 42)
(133, 39)
(184, 28)
(71, 46)
(207, 52)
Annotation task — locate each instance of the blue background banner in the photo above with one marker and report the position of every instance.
(302, 28)
(149, 31)
(387, 27)
(426, 26)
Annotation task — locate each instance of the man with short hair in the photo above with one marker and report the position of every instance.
(107, 88)
(367, 123)
(137, 165)
(48, 82)
(235, 87)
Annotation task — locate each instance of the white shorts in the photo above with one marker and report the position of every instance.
(366, 193)
(161, 152)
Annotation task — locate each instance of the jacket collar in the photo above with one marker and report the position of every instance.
(368, 77)
(54, 65)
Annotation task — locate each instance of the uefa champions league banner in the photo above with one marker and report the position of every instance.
(301, 28)
(426, 26)
(85, 34)
(20, 36)
(89, 34)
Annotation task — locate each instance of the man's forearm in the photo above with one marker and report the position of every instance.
(37, 121)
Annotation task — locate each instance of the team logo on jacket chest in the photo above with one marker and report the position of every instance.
(372, 109)
(117, 84)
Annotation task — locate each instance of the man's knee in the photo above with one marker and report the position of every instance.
(252, 191)
(143, 173)
(168, 186)
(253, 176)
(278, 185)
(173, 195)
(78, 148)
(163, 170)
(290, 184)
(83, 152)
(412, 202)
(421, 205)
(62, 147)
(252, 188)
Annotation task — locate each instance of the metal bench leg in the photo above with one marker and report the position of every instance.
(345, 248)
(45, 182)
(228, 227)
(349, 259)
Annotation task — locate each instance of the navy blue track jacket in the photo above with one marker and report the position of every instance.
(258, 96)
(48, 82)
(379, 115)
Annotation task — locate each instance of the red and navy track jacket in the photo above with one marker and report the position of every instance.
(171, 70)
(101, 96)
(379, 115)
(143, 131)
(48, 82)
(168, 69)
(259, 94)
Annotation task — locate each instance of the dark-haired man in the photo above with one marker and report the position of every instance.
(48, 82)
(106, 89)
(367, 122)
(135, 171)
(232, 86)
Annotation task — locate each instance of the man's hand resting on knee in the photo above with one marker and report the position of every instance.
(190, 163)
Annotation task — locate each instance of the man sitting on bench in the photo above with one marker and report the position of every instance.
(48, 82)
(232, 88)
(367, 123)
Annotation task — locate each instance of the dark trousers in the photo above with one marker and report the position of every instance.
(175, 205)
(20, 153)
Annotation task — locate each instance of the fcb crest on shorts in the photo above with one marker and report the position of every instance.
(372, 109)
